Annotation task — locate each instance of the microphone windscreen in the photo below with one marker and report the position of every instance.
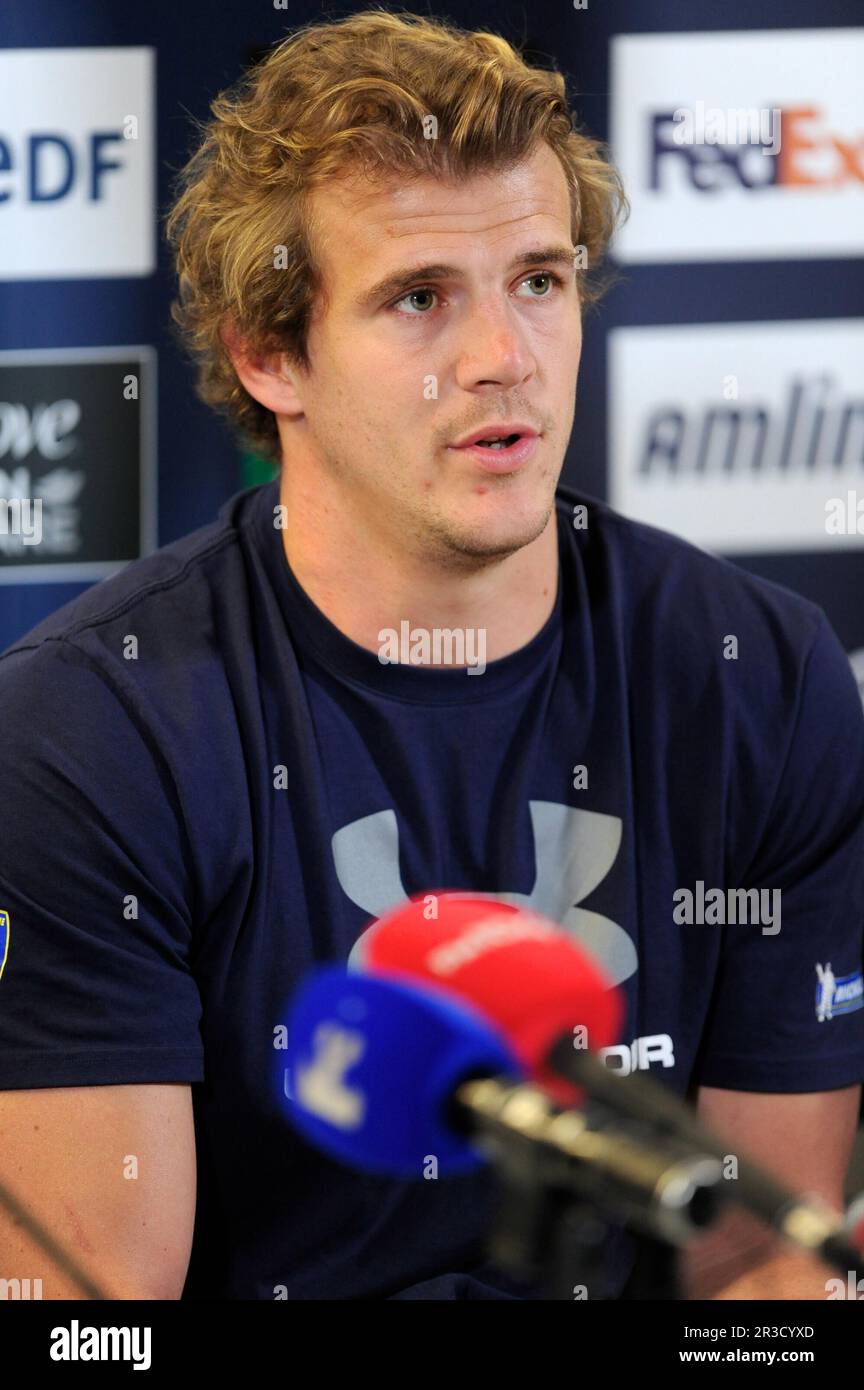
(521, 970)
(371, 1066)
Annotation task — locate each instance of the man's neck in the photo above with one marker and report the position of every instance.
(367, 588)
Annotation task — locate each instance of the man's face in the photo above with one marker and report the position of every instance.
(399, 376)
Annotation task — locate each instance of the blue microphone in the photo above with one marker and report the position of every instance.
(372, 1066)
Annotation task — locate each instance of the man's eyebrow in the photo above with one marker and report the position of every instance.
(390, 285)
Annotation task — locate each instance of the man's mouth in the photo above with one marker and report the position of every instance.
(498, 434)
(498, 442)
(500, 453)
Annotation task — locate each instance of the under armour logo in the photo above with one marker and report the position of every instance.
(573, 852)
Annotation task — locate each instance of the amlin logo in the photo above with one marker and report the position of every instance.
(738, 436)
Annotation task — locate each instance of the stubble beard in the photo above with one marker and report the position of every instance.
(437, 536)
(458, 549)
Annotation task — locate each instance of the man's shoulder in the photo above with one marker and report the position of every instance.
(168, 593)
(667, 583)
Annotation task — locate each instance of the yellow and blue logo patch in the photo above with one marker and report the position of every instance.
(4, 939)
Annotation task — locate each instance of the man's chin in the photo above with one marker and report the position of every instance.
(493, 537)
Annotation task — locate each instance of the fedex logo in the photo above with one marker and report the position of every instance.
(739, 146)
(794, 148)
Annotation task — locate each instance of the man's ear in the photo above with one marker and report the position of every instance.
(270, 378)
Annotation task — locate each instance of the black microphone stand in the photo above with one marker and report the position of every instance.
(574, 1182)
(546, 1237)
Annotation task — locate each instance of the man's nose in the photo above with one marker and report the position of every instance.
(494, 347)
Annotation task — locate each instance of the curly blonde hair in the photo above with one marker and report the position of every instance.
(341, 97)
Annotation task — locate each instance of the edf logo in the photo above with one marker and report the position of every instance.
(77, 163)
(48, 165)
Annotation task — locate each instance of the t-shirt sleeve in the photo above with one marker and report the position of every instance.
(786, 1013)
(95, 884)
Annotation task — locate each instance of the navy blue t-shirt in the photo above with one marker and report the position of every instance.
(207, 789)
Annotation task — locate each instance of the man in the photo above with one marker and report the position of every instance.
(226, 772)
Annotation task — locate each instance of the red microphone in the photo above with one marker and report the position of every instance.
(520, 969)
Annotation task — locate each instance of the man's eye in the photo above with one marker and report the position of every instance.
(427, 292)
(413, 294)
(544, 275)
